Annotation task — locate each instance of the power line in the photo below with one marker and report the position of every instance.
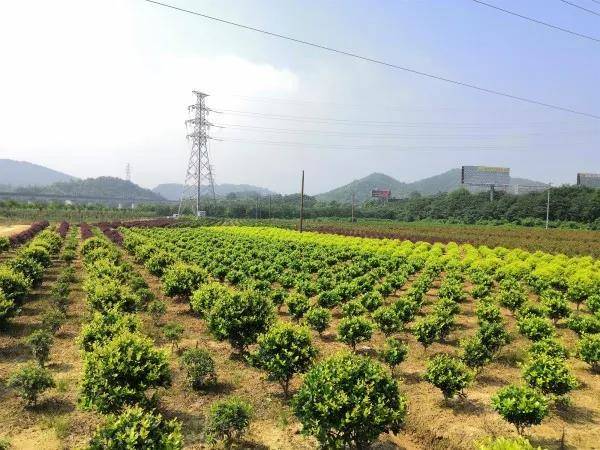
(575, 5)
(424, 148)
(393, 124)
(387, 64)
(539, 22)
(238, 127)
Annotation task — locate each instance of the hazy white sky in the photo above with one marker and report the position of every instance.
(89, 85)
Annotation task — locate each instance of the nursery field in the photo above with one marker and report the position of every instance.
(553, 240)
(267, 338)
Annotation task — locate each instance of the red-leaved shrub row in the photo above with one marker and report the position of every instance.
(86, 231)
(63, 229)
(110, 232)
(25, 235)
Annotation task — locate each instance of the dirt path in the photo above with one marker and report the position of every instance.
(8, 230)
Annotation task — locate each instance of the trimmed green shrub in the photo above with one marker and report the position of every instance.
(239, 318)
(121, 371)
(593, 303)
(173, 333)
(199, 367)
(556, 305)
(427, 330)
(137, 429)
(353, 330)
(488, 312)
(14, 284)
(29, 267)
(493, 335)
(157, 309)
(104, 294)
(40, 342)
(550, 375)
(278, 296)
(405, 309)
(30, 381)
(588, 350)
(329, 299)
(298, 305)
(203, 298)
(512, 299)
(158, 262)
(4, 243)
(353, 308)
(8, 309)
(387, 320)
(37, 253)
(449, 374)
(101, 328)
(535, 328)
(475, 353)
(318, 319)
(348, 401)
(228, 420)
(372, 300)
(394, 352)
(520, 406)
(284, 351)
(582, 324)
(446, 307)
(550, 347)
(53, 319)
(181, 279)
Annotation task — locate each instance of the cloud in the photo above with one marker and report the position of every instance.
(79, 94)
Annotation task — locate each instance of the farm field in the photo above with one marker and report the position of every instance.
(569, 242)
(500, 316)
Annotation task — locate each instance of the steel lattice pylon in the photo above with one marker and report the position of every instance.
(199, 169)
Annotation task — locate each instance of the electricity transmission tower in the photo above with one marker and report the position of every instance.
(128, 172)
(199, 169)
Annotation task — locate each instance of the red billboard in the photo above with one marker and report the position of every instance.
(381, 193)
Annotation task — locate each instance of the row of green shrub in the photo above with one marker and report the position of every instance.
(120, 364)
(24, 270)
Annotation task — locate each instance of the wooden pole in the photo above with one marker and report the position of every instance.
(302, 203)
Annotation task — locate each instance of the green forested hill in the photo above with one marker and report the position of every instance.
(362, 189)
(97, 187)
(444, 182)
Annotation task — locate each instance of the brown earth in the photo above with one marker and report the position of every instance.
(9, 230)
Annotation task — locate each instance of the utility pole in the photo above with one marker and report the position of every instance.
(256, 212)
(270, 217)
(302, 203)
(548, 205)
(353, 196)
(199, 168)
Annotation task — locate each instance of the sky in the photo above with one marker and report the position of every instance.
(87, 86)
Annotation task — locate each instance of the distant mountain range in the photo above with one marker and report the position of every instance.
(444, 182)
(101, 187)
(172, 191)
(21, 173)
(24, 177)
